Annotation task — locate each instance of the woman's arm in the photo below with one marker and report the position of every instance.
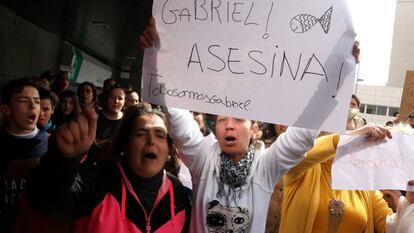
(64, 190)
(188, 138)
(59, 186)
(324, 149)
(287, 151)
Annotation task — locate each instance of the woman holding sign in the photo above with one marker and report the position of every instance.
(310, 205)
(232, 183)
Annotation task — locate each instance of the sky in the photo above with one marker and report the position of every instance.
(374, 25)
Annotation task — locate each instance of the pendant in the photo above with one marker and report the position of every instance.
(336, 207)
(336, 212)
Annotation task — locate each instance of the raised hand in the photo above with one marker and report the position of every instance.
(356, 51)
(372, 132)
(150, 35)
(76, 137)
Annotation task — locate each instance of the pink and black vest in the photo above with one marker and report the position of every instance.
(101, 199)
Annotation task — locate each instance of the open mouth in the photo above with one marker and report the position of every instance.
(31, 116)
(230, 139)
(150, 156)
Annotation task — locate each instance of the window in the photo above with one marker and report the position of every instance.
(393, 111)
(362, 108)
(381, 110)
(371, 109)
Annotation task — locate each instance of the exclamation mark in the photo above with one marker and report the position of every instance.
(339, 80)
(266, 35)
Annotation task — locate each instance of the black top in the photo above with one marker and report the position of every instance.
(145, 188)
(19, 157)
(67, 191)
(106, 128)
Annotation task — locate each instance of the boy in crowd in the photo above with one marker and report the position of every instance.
(48, 103)
(21, 142)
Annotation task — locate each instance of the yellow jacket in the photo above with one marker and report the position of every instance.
(304, 186)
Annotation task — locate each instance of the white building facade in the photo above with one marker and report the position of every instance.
(379, 104)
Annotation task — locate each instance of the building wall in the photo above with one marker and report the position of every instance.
(402, 54)
(375, 99)
(26, 49)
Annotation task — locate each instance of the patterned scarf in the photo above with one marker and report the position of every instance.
(234, 174)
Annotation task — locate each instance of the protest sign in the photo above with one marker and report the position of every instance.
(407, 99)
(364, 165)
(286, 62)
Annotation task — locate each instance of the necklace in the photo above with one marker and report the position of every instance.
(336, 209)
(336, 213)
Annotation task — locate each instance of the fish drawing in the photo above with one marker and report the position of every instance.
(304, 22)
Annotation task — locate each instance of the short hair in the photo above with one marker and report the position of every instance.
(357, 100)
(46, 94)
(113, 87)
(16, 86)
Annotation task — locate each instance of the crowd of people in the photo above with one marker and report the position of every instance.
(76, 161)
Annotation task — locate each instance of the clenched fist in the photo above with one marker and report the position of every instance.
(76, 136)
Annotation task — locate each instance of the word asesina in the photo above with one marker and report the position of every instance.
(216, 58)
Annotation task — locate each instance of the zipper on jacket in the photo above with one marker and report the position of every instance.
(157, 200)
(148, 227)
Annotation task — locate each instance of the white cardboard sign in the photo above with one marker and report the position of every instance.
(286, 61)
(365, 165)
